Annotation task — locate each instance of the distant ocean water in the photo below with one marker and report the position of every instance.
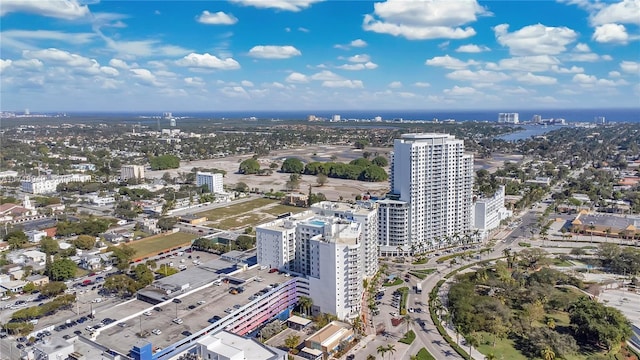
(570, 115)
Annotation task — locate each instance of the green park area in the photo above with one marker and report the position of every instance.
(154, 244)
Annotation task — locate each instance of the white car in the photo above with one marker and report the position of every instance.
(177, 321)
(201, 302)
(156, 331)
(147, 313)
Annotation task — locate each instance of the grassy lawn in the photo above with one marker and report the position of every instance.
(560, 262)
(155, 244)
(395, 282)
(504, 348)
(424, 354)
(422, 273)
(241, 221)
(420, 261)
(408, 337)
(235, 209)
(281, 209)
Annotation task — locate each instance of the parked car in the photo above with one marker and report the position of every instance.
(156, 331)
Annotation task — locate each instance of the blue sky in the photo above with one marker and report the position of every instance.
(314, 55)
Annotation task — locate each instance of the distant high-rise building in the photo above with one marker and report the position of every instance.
(537, 119)
(131, 172)
(214, 182)
(312, 118)
(508, 118)
(600, 120)
(433, 176)
(377, 119)
(335, 118)
(172, 122)
(167, 115)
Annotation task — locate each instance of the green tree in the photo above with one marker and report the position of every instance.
(167, 223)
(292, 165)
(62, 269)
(143, 275)
(292, 341)
(305, 303)
(16, 239)
(53, 288)
(322, 179)
(29, 288)
(374, 173)
(49, 246)
(122, 255)
(241, 187)
(599, 325)
(164, 162)
(380, 161)
(249, 166)
(84, 242)
(361, 144)
(122, 285)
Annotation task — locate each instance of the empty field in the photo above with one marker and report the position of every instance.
(237, 209)
(251, 219)
(153, 245)
(281, 209)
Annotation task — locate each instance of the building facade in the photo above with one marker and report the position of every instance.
(213, 181)
(489, 212)
(509, 118)
(364, 213)
(326, 251)
(48, 184)
(431, 174)
(131, 172)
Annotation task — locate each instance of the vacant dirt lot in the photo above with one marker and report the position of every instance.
(333, 189)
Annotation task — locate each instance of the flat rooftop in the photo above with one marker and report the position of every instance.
(614, 222)
(195, 316)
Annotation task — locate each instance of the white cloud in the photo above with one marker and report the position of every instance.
(614, 74)
(587, 57)
(358, 43)
(31, 64)
(532, 79)
(119, 64)
(424, 19)
(572, 70)
(235, 92)
(611, 33)
(359, 58)
(472, 48)
(278, 85)
(135, 48)
(366, 66)
(582, 47)
(395, 84)
(302, 29)
(218, 18)
(535, 39)
(421, 84)
(61, 9)
(4, 64)
(296, 77)
(517, 91)
(194, 81)
(145, 76)
(631, 67)
(326, 75)
(246, 83)
(207, 61)
(625, 11)
(591, 80)
(22, 39)
(351, 84)
(108, 70)
(274, 52)
(449, 62)
(460, 91)
(480, 76)
(288, 5)
(525, 63)
(61, 57)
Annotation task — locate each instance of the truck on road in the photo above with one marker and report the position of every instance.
(418, 288)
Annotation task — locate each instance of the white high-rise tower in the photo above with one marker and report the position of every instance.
(434, 177)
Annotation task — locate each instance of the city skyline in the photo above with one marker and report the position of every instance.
(313, 55)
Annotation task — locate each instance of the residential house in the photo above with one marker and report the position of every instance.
(38, 280)
(35, 235)
(35, 256)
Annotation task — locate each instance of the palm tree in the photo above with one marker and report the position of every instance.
(606, 234)
(548, 354)
(381, 350)
(473, 341)
(371, 357)
(476, 235)
(592, 227)
(305, 303)
(391, 349)
(490, 356)
(409, 321)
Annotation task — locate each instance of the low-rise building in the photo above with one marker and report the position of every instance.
(489, 212)
(192, 219)
(35, 235)
(34, 256)
(48, 184)
(328, 339)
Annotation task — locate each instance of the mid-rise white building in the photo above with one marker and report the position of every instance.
(48, 184)
(509, 118)
(489, 212)
(364, 213)
(434, 176)
(325, 251)
(393, 232)
(225, 345)
(213, 181)
(131, 172)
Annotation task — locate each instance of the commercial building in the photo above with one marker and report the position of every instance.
(131, 172)
(431, 174)
(328, 340)
(48, 184)
(226, 345)
(489, 212)
(364, 213)
(213, 181)
(508, 118)
(327, 254)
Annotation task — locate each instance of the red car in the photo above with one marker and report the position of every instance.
(273, 270)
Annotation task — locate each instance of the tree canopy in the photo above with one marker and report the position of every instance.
(249, 166)
(164, 162)
(292, 165)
